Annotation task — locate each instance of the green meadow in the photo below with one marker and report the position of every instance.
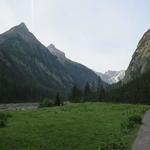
(84, 126)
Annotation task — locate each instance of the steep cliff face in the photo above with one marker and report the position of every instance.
(140, 62)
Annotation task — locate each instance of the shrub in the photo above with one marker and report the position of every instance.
(9, 115)
(130, 123)
(127, 124)
(114, 146)
(3, 119)
(46, 103)
(136, 119)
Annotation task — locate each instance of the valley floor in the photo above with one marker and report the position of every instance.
(88, 126)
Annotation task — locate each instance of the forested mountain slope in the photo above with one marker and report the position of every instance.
(30, 72)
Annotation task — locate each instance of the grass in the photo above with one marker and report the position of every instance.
(85, 126)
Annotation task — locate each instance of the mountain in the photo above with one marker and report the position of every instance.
(140, 62)
(79, 73)
(135, 87)
(59, 54)
(30, 72)
(111, 77)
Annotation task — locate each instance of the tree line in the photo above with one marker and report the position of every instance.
(88, 93)
(135, 91)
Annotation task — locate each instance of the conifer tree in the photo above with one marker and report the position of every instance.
(76, 94)
(102, 94)
(87, 92)
(57, 100)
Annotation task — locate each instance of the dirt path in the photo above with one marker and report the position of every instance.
(142, 141)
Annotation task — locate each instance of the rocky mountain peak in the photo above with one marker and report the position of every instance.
(20, 30)
(111, 77)
(22, 24)
(22, 27)
(59, 54)
(111, 73)
(52, 46)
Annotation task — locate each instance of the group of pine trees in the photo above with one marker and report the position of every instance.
(135, 91)
(89, 93)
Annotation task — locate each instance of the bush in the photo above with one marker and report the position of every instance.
(126, 126)
(46, 103)
(114, 146)
(3, 119)
(136, 119)
(130, 123)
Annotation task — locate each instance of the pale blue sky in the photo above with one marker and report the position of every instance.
(101, 34)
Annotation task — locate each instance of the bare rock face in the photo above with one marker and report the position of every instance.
(111, 77)
(140, 62)
(59, 54)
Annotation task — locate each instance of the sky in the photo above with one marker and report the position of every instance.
(101, 34)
